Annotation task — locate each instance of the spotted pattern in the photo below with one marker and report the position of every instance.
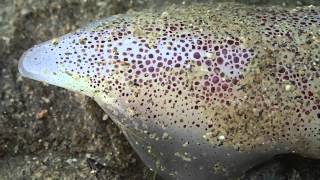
(183, 60)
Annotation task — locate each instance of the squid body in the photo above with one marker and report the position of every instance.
(204, 91)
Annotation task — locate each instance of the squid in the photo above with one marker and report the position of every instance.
(201, 91)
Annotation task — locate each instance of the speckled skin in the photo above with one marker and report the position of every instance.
(205, 91)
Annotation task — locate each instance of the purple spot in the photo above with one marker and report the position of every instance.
(224, 51)
(196, 55)
(236, 59)
(230, 42)
(151, 69)
(213, 89)
(208, 62)
(224, 87)
(215, 79)
(219, 60)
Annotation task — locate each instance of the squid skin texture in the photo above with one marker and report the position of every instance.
(202, 91)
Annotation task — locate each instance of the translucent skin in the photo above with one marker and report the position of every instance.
(201, 92)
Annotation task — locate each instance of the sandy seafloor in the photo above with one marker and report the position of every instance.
(48, 132)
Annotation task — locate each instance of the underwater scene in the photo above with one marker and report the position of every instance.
(160, 90)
